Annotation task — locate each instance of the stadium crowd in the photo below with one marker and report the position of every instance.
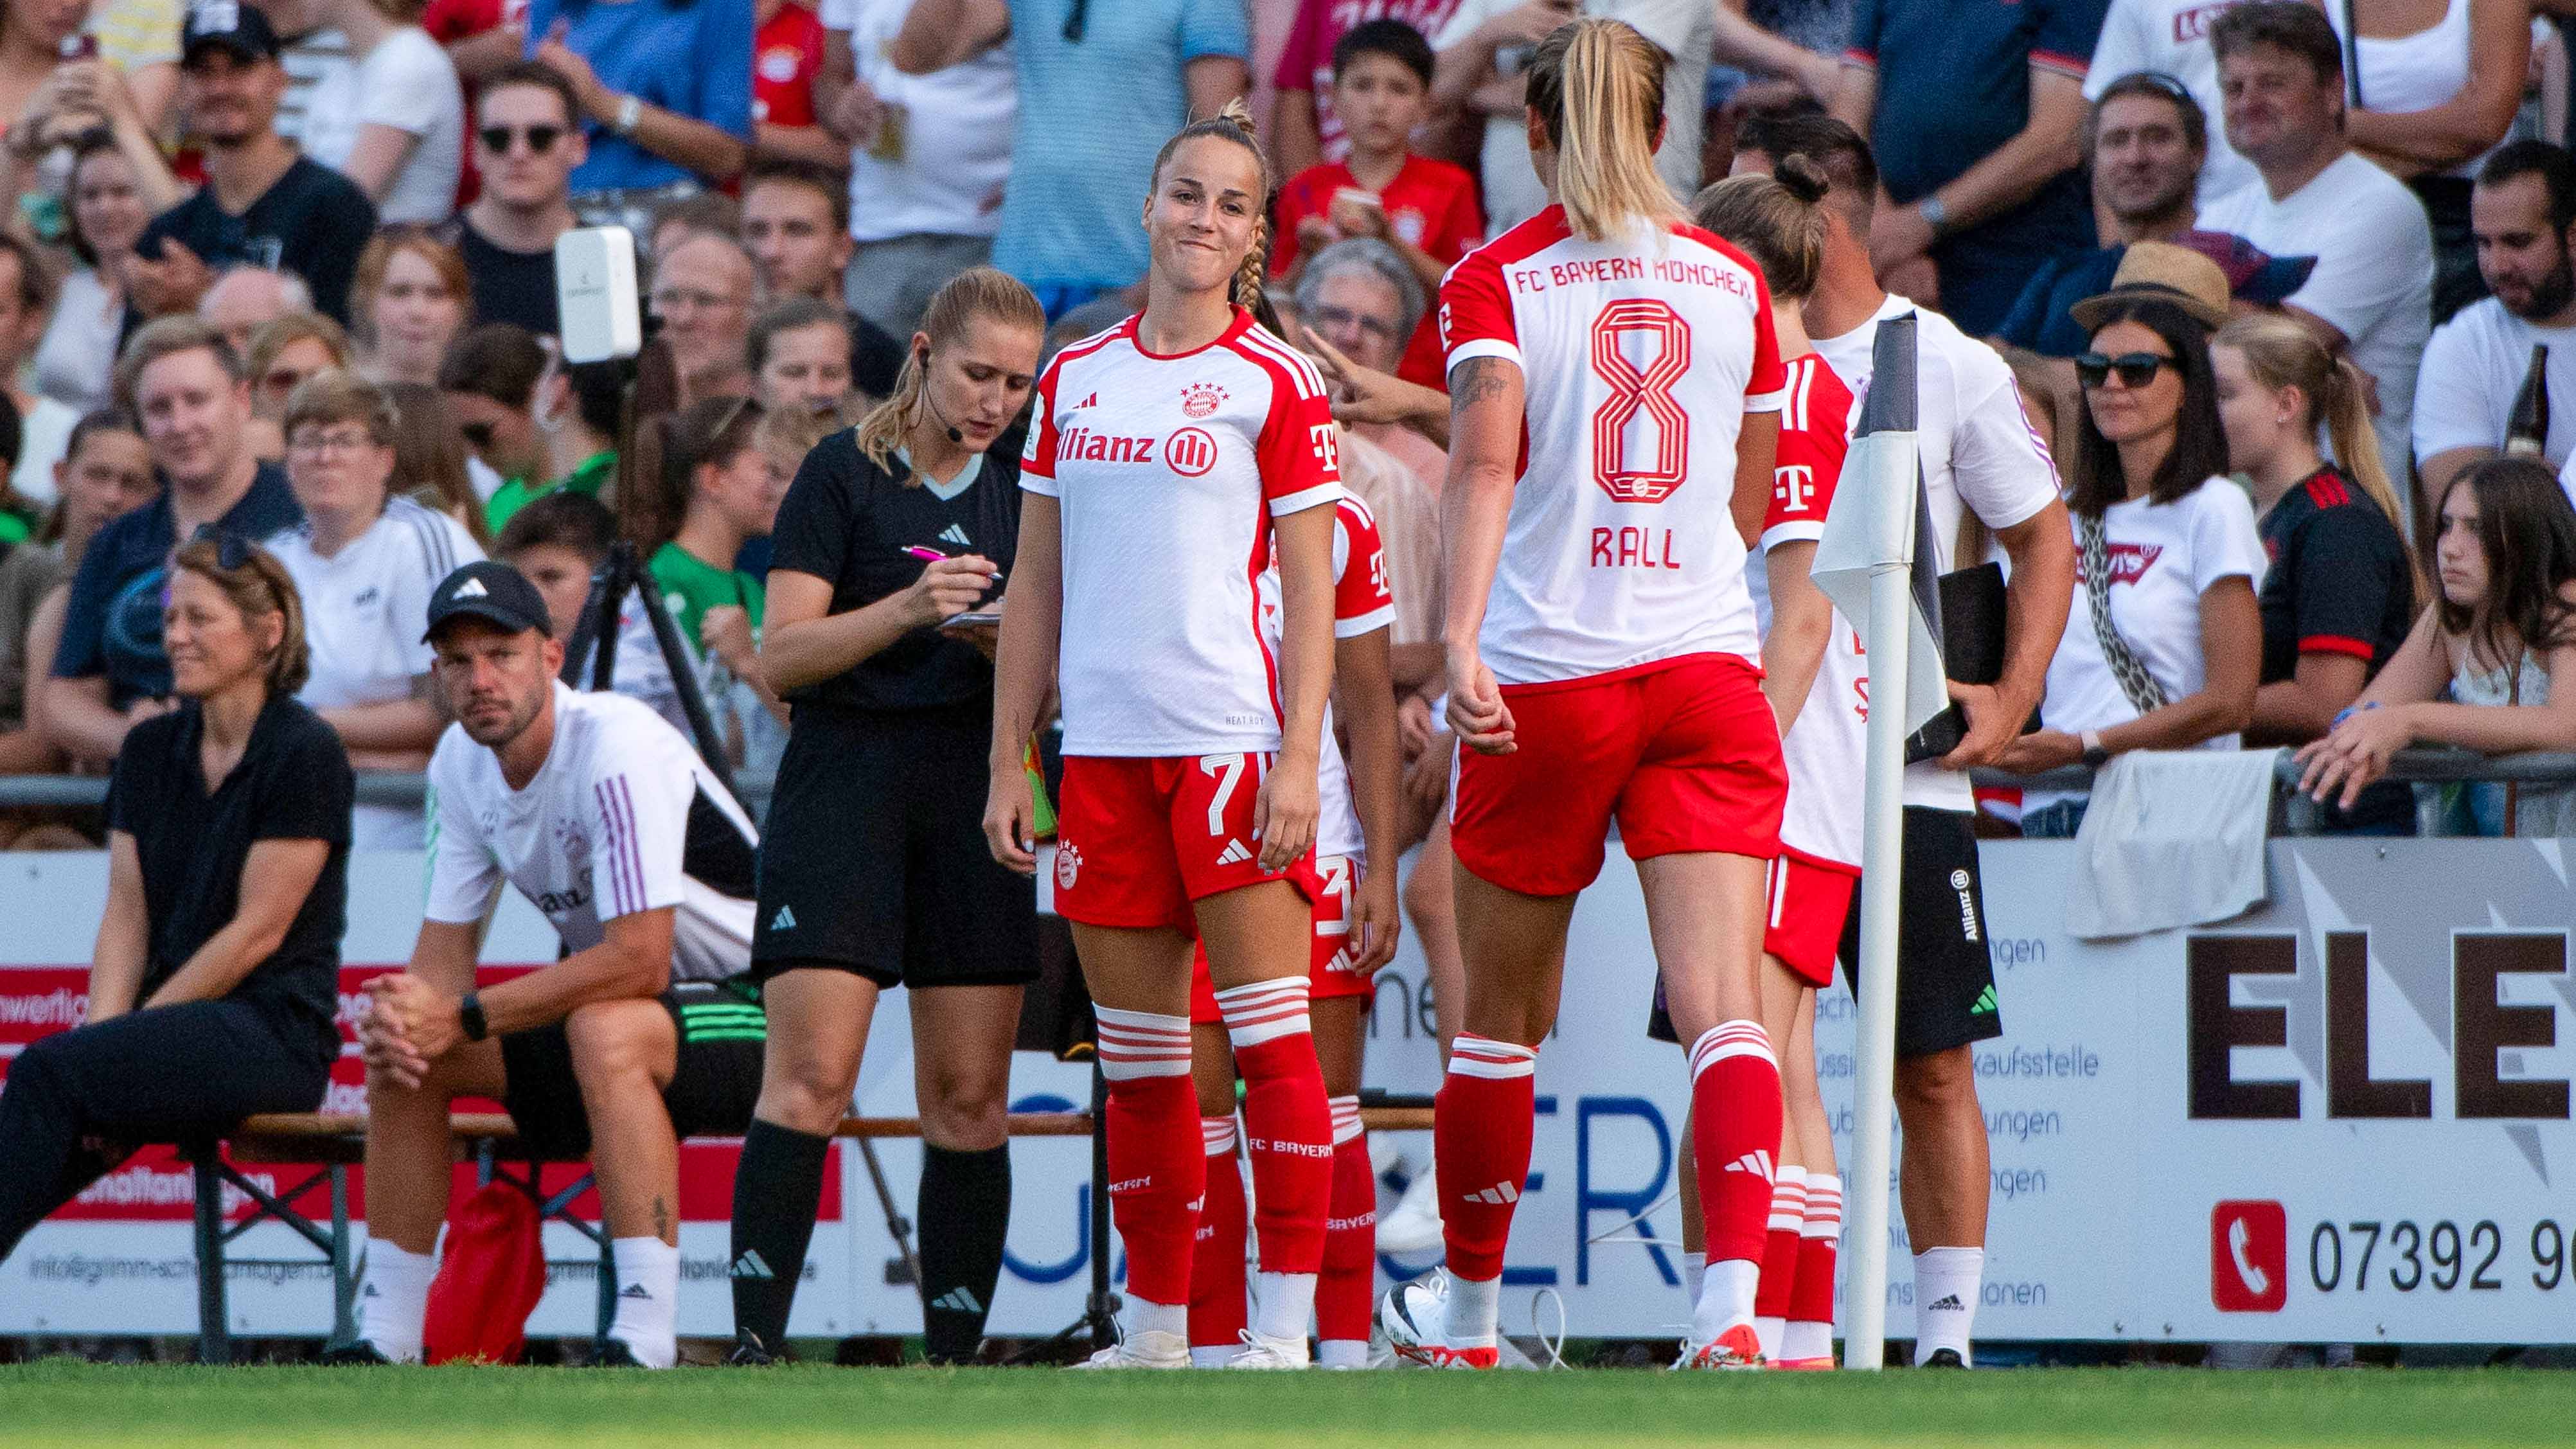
(2285, 294)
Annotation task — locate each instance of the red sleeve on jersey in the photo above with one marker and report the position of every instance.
(1037, 459)
(1476, 313)
(1815, 419)
(1299, 450)
(1762, 389)
(1359, 590)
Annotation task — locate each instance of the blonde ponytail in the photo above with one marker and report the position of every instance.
(1598, 87)
(2282, 353)
(972, 293)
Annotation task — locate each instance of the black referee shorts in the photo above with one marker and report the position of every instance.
(1945, 987)
(873, 861)
(713, 1089)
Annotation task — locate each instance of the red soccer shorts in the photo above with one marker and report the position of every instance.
(1328, 969)
(1684, 753)
(1805, 902)
(1138, 840)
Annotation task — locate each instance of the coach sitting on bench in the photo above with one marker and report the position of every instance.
(215, 981)
(606, 819)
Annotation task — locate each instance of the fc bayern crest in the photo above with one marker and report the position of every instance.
(1200, 399)
(1068, 867)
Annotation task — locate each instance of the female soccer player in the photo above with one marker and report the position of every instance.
(1615, 386)
(891, 718)
(1355, 934)
(1164, 455)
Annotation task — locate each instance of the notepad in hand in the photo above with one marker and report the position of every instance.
(1972, 652)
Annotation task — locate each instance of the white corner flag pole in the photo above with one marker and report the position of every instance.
(1864, 563)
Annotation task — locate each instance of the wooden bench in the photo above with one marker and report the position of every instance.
(332, 1143)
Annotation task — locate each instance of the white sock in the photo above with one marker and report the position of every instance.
(395, 1299)
(1342, 1353)
(1807, 1340)
(1772, 1331)
(1946, 1284)
(1473, 1310)
(1282, 1302)
(648, 1300)
(1726, 1299)
(1147, 1316)
(1694, 1274)
(1213, 1355)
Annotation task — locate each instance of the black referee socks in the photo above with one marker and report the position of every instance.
(964, 1211)
(777, 1189)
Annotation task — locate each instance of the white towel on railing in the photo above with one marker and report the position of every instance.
(2172, 838)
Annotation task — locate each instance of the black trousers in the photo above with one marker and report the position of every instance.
(77, 1103)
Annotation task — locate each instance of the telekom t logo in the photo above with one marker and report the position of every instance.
(2249, 1256)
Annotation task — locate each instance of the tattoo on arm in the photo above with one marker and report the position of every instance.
(1478, 379)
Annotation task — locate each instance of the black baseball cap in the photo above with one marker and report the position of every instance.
(237, 25)
(493, 592)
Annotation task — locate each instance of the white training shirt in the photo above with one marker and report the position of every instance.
(1824, 747)
(365, 609)
(2473, 367)
(2373, 279)
(2163, 557)
(2172, 36)
(1979, 452)
(946, 176)
(623, 817)
(1362, 604)
(407, 82)
(1639, 358)
(1168, 471)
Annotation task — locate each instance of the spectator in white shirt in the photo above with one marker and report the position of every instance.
(2170, 38)
(393, 120)
(2165, 643)
(2372, 291)
(2524, 215)
(925, 199)
(106, 212)
(2434, 86)
(44, 425)
(365, 560)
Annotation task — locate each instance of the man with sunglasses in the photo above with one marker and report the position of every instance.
(110, 671)
(263, 203)
(527, 140)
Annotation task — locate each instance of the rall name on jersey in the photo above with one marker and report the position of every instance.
(1633, 548)
(1590, 270)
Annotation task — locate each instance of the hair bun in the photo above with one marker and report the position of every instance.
(1804, 179)
(1239, 112)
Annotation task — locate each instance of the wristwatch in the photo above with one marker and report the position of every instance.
(2095, 755)
(630, 110)
(469, 1016)
(1934, 214)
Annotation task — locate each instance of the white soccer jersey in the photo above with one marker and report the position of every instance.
(1639, 359)
(623, 817)
(1362, 604)
(365, 609)
(1823, 749)
(1168, 471)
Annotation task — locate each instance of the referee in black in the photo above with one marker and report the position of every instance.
(214, 990)
(873, 867)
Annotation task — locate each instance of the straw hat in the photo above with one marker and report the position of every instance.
(2161, 272)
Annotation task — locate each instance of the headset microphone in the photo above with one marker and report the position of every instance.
(954, 435)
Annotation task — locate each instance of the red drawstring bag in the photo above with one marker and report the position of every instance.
(490, 1280)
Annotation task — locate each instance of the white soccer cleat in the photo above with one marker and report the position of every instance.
(1261, 1351)
(1410, 1316)
(1413, 1224)
(1145, 1348)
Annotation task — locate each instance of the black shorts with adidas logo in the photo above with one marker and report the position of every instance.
(1945, 991)
(873, 860)
(721, 1030)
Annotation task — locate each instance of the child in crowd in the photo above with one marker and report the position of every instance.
(1425, 209)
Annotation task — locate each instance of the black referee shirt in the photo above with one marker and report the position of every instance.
(847, 520)
(293, 783)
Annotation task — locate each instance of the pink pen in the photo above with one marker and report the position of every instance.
(932, 555)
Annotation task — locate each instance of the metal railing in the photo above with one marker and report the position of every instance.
(375, 787)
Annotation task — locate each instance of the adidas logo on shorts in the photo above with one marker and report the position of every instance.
(785, 920)
(1233, 854)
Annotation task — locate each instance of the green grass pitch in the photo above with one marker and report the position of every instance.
(62, 1402)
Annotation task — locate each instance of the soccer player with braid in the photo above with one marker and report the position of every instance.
(1615, 384)
(1165, 457)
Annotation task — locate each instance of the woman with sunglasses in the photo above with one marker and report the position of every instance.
(366, 557)
(214, 986)
(889, 530)
(2165, 642)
